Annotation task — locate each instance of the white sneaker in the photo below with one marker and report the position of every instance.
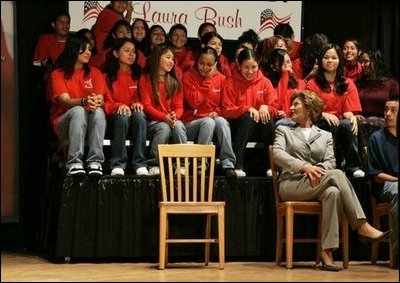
(142, 171)
(269, 173)
(154, 171)
(95, 169)
(117, 172)
(359, 174)
(76, 169)
(240, 173)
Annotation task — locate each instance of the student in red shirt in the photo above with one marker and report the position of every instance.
(351, 51)
(294, 47)
(108, 17)
(162, 98)
(77, 116)
(202, 86)
(50, 46)
(249, 102)
(341, 103)
(285, 83)
(122, 105)
(178, 38)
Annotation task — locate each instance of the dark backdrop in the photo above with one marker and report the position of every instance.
(375, 24)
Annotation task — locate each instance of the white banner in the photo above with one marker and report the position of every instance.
(230, 17)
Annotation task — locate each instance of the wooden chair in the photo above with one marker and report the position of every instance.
(379, 210)
(189, 193)
(287, 210)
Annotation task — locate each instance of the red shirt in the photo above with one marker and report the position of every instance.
(353, 73)
(296, 50)
(77, 86)
(104, 23)
(285, 93)
(338, 104)
(48, 47)
(202, 94)
(157, 110)
(240, 94)
(124, 91)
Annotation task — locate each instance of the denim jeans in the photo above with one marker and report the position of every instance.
(133, 128)
(77, 125)
(162, 133)
(202, 131)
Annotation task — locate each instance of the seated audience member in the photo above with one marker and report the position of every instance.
(305, 154)
(351, 51)
(161, 94)
(202, 87)
(122, 105)
(50, 46)
(285, 83)
(341, 103)
(306, 66)
(107, 18)
(77, 116)
(249, 38)
(178, 38)
(374, 88)
(249, 103)
(383, 164)
(294, 47)
(266, 47)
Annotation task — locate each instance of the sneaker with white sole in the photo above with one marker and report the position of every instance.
(240, 173)
(95, 169)
(359, 174)
(142, 171)
(76, 170)
(117, 172)
(154, 171)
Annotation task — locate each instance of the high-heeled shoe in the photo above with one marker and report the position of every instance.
(328, 267)
(366, 239)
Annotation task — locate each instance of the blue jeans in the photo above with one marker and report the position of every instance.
(77, 125)
(202, 131)
(162, 133)
(134, 128)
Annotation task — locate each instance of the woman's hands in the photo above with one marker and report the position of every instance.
(314, 173)
(260, 115)
(170, 119)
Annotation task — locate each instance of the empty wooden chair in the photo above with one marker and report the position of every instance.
(187, 183)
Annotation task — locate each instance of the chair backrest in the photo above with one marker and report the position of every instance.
(275, 175)
(189, 162)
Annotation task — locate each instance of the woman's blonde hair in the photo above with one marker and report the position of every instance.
(312, 102)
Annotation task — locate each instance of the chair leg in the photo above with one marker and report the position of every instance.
(221, 236)
(167, 237)
(279, 232)
(345, 241)
(162, 235)
(392, 258)
(375, 245)
(208, 236)
(289, 237)
(319, 246)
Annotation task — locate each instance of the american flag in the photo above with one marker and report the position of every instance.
(91, 10)
(268, 19)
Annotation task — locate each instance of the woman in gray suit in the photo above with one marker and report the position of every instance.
(306, 156)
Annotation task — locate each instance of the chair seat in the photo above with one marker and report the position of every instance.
(192, 207)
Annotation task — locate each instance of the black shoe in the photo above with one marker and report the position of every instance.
(76, 170)
(95, 170)
(230, 173)
(365, 239)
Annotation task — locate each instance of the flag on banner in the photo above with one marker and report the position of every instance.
(268, 19)
(91, 10)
